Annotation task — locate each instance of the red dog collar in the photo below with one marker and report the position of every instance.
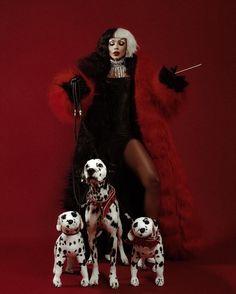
(105, 205)
(145, 242)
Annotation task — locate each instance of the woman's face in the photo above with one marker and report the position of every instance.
(117, 48)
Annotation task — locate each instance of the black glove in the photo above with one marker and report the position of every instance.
(82, 88)
(172, 80)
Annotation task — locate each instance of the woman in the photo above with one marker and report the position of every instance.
(126, 106)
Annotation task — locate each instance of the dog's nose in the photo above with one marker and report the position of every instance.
(142, 230)
(70, 221)
(90, 171)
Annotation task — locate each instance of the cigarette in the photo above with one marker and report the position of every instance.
(189, 68)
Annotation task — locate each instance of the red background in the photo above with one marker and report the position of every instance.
(41, 38)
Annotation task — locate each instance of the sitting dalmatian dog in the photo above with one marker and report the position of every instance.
(147, 244)
(69, 245)
(102, 212)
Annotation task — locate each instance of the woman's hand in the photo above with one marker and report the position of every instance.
(172, 80)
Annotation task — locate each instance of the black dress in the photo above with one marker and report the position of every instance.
(109, 124)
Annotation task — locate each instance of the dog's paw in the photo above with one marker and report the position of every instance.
(114, 283)
(134, 281)
(84, 282)
(57, 282)
(159, 281)
(93, 280)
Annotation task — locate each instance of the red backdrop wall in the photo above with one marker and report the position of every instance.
(40, 38)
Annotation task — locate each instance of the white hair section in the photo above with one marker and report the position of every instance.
(132, 45)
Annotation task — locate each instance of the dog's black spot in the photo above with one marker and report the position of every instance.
(135, 224)
(64, 252)
(88, 208)
(59, 249)
(59, 263)
(134, 264)
(161, 249)
(58, 255)
(79, 250)
(114, 224)
(63, 216)
(108, 216)
(70, 244)
(146, 221)
(74, 214)
(61, 239)
(156, 251)
(161, 264)
(64, 242)
(74, 242)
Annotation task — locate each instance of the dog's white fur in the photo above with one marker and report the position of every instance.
(95, 173)
(69, 245)
(147, 243)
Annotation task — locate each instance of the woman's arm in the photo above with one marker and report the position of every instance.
(169, 90)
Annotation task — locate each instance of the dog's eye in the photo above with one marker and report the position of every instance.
(146, 221)
(135, 224)
(100, 165)
(63, 216)
(74, 213)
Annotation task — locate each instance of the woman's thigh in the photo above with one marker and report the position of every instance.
(140, 162)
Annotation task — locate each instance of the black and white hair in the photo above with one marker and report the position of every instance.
(132, 45)
(102, 45)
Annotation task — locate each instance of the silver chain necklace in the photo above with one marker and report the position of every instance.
(118, 69)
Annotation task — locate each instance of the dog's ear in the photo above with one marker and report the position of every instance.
(81, 223)
(58, 226)
(154, 228)
(130, 235)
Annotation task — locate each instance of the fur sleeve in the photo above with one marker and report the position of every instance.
(166, 100)
(60, 102)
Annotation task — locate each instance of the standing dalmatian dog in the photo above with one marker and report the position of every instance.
(70, 244)
(102, 212)
(147, 243)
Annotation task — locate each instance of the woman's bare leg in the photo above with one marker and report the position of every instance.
(140, 162)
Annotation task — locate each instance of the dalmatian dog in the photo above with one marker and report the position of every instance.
(102, 213)
(147, 244)
(69, 245)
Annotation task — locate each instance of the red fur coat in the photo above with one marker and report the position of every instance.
(155, 105)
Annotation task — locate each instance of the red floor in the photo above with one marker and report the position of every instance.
(28, 268)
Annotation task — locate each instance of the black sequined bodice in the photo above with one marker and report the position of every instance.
(111, 119)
